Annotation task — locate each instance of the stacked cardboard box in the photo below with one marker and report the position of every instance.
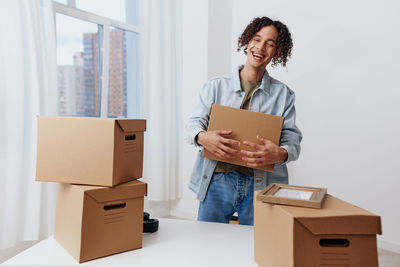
(96, 163)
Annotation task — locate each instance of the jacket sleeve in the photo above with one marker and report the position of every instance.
(291, 135)
(200, 115)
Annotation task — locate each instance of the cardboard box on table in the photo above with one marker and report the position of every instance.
(245, 126)
(92, 151)
(93, 221)
(339, 234)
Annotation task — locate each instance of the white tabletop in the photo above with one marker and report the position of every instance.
(177, 243)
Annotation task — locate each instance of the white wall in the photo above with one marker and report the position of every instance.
(346, 75)
(219, 36)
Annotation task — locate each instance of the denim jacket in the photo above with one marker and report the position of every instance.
(272, 97)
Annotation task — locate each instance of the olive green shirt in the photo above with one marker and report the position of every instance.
(249, 89)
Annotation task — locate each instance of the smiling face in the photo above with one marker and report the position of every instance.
(262, 47)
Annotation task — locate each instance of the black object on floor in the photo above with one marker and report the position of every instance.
(146, 216)
(149, 225)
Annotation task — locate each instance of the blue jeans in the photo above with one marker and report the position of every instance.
(228, 193)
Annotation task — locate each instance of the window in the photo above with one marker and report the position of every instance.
(122, 70)
(97, 58)
(115, 9)
(78, 66)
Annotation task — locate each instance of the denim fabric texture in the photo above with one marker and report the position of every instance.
(228, 193)
(272, 97)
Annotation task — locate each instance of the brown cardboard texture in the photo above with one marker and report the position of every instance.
(92, 221)
(245, 125)
(92, 151)
(339, 234)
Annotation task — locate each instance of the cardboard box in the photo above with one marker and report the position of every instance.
(93, 221)
(339, 234)
(245, 126)
(92, 151)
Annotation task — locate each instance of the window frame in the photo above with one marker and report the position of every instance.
(106, 24)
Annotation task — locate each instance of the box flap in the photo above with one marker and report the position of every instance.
(132, 125)
(336, 217)
(127, 190)
(354, 225)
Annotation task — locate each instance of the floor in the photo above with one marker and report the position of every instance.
(388, 258)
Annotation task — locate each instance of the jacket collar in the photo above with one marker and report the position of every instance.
(265, 82)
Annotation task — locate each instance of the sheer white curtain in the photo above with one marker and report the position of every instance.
(161, 90)
(27, 89)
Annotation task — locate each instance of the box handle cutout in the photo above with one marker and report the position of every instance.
(130, 137)
(115, 206)
(334, 242)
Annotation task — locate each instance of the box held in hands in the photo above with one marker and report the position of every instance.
(245, 126)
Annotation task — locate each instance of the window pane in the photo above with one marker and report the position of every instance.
(79, 66)
(123, 72)
(120, 10)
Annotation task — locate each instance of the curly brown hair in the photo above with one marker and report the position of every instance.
(284, 43)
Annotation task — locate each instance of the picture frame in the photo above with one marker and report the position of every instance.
(294, 195)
